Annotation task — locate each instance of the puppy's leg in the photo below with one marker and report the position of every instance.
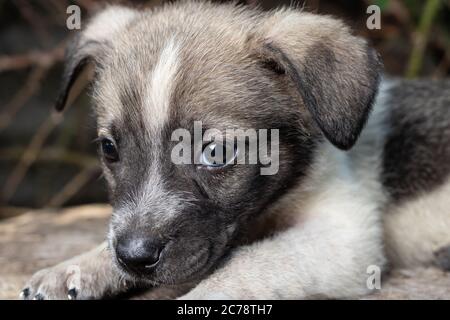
(325, 255)
(87, 276)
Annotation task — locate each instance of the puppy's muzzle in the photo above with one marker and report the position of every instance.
(140, 254)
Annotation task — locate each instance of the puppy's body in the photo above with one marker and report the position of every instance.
(401, 160)
(416, 170)
(311, 230)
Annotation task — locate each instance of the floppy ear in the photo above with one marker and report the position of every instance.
(84, 53)
(335, 73)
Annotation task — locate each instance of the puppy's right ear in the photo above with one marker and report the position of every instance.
(84, 53)
(335, 73)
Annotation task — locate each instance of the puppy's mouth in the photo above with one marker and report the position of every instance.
(174, 265)
(171, 260)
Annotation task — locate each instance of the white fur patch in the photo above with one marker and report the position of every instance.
(160, 87)
(417, 228)
(109, 22)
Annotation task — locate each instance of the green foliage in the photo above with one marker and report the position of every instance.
(382, 4)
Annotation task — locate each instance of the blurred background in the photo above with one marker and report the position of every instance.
(50, 161)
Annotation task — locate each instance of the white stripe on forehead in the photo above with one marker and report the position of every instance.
(160, 87)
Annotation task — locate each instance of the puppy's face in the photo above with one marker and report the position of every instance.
(189, 212)
(224, 68)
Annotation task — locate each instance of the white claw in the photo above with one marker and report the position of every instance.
(69, 297)
(21, 295)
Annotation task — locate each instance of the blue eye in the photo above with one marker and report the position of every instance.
(217, 155)
(109, 150)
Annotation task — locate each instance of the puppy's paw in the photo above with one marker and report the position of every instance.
(62, 282)
(88, 276)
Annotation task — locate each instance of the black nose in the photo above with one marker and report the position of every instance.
(139, 253)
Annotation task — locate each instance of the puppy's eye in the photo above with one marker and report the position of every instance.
(109, 150)
(218, 155)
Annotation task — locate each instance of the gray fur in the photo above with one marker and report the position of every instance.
(417, 150)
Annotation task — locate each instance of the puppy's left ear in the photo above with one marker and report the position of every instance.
(87, 50)
(335, 73)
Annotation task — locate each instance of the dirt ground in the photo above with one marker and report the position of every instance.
(33, 240)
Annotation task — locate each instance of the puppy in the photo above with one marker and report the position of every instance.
(341, 201)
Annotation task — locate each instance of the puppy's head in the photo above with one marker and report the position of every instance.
(156, 72)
